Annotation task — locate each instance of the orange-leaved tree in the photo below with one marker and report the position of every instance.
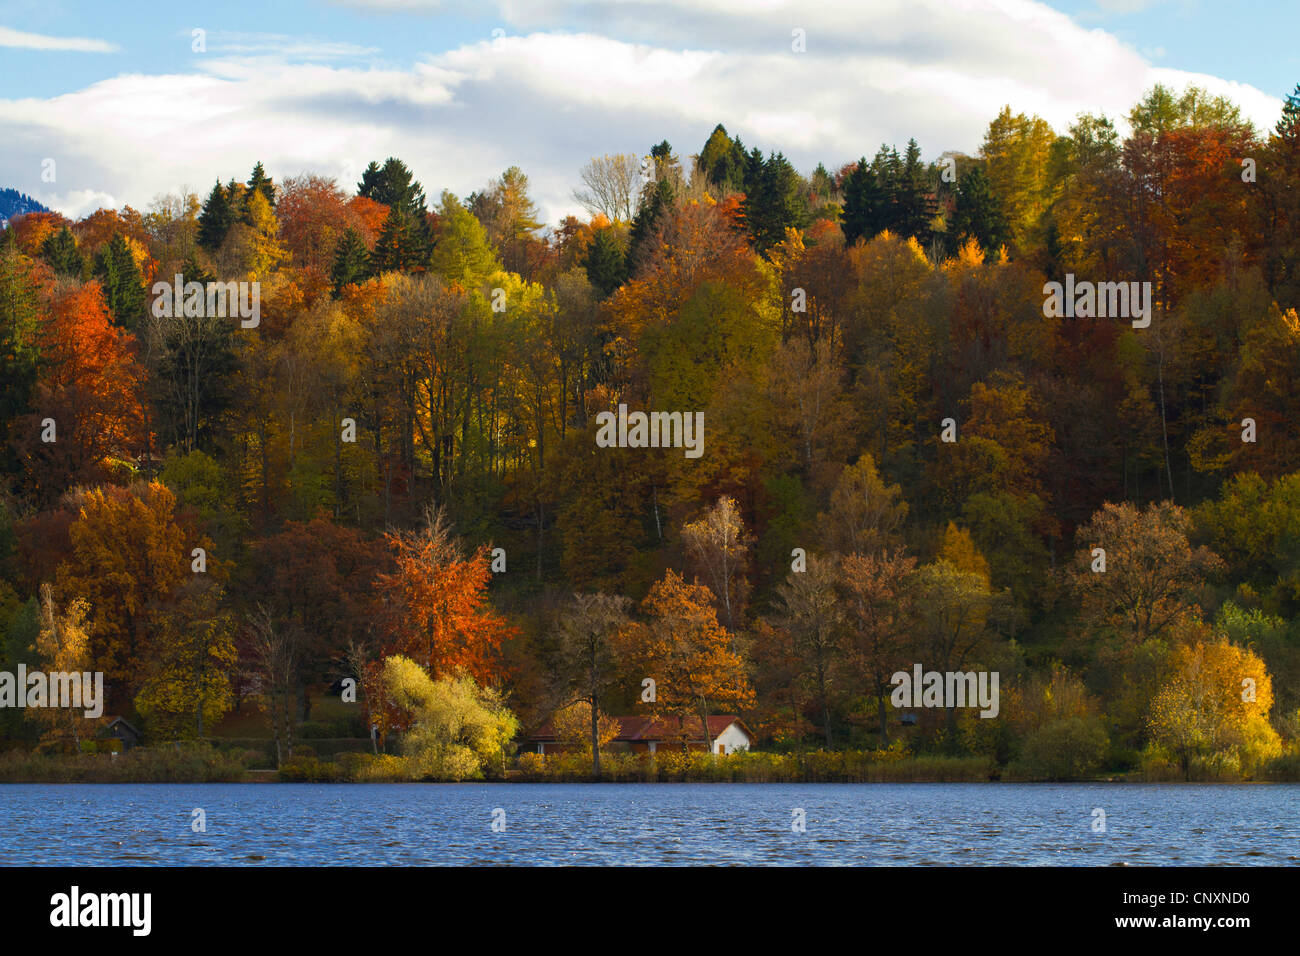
(87, 407)
(436, 609)
(688, 655)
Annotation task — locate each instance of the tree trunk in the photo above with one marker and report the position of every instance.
(1164, 424)
(659, 531)
(288, 722)
(884, 720)
(595, 739)
(338, 466)
(826, 706)
(275, 728)
(704, 722)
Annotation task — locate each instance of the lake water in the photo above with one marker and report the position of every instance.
(648, 824)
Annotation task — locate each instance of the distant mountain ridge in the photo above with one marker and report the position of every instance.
(13, 203)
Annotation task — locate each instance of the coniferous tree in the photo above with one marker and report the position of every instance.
(605, 263)
(216, 218)
(400, 245)
(193, 362)
(237, 197)
(889, 173)
(351, 260)
(914, 205)
(978, 214)
(393, 185)
(820, 183)
(772, 202)
(260, 182)
(120, 278)
(655, 198)
(1279, 178)
(723, 160)
(865, 204)
(61, 252)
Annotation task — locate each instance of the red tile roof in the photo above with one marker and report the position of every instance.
(639, 729)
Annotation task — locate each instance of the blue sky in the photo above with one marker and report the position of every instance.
(1250, 42)
(116, 95)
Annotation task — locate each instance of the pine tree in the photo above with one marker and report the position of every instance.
(889, 173)
(865, 204)
(655, 198)
(121, 281)
(392, 185)
(820, 183)
(193, 364)
(978, 214)
(914, 205)
(1280, 204)
(216, 218)
(605, 263)
(61, 252)
(395, 187)
(772, 201)
(260, 182)
(399, 246)
(723, 160)
(351, 260)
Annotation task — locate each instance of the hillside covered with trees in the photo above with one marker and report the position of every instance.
(393, 476)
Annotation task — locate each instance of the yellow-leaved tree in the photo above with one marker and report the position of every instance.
(573, 727)
(1212, 711)
(458, 730)
(64, 646)
(187, 688)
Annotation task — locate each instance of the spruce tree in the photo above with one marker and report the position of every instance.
(123, 286)
(978, 214)
(865, 204)
(351, 260)
(216, 218)
(661, 197)
(915, 207)
(889, 174)
(723, 160)
(193, 364)
(1279, 177)
(772, 202)
(820, 183)
(399, 246)
(395, 187)
(605, 263)
(61, 252)
(260, 182)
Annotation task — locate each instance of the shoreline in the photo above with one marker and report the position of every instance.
(203, 764)
(271, 777)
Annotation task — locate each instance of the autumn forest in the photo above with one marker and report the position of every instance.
(388, 481)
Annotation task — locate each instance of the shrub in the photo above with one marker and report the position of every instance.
(1285, 767)
(192, 764)
(308, 769)
(894, 764)
(1067, 749)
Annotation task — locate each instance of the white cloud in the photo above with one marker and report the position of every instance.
(78, 203)
(38, 41)
(548, 100)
